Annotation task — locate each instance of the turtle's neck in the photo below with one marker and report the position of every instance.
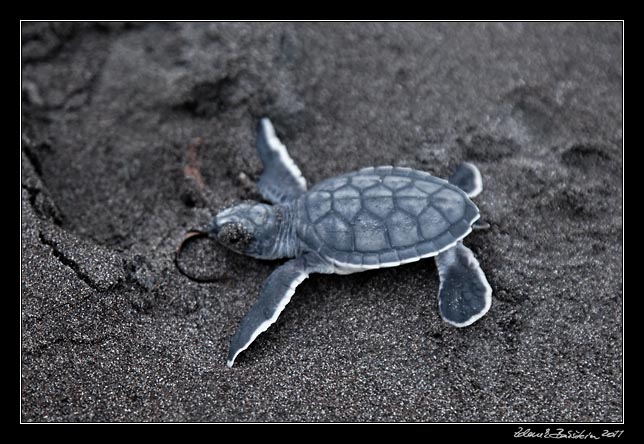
(286, 242)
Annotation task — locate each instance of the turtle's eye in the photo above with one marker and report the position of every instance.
(235, 236)
(258, 215)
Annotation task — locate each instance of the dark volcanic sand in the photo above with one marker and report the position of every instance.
(123, 124)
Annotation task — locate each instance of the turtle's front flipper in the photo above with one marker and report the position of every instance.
(464, 294)
(275, 294)
(281, 179)
(468, 178)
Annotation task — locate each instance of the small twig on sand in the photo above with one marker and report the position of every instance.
(193, 168)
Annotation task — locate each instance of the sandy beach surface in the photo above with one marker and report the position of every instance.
(133, 134)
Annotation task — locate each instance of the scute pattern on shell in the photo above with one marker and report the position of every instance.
(383, 214)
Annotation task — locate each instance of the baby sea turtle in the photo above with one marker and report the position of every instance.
(372, 218)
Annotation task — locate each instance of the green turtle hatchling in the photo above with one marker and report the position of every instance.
(372, 218)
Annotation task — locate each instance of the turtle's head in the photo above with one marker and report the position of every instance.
(249, 228)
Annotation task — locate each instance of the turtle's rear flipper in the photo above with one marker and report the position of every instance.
(464, 294)
(468, 178)
(281, 179)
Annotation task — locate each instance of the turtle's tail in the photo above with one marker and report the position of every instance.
(480, 225)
